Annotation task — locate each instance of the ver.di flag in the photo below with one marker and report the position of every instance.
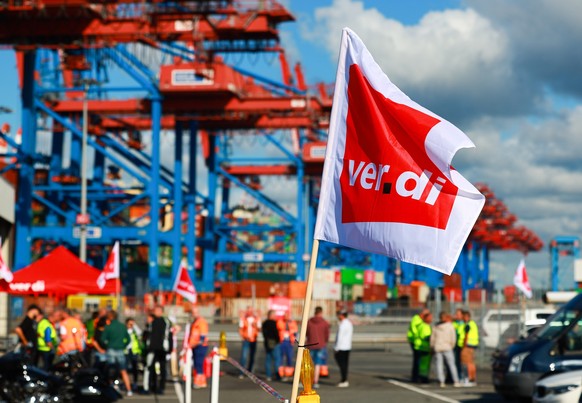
(521, 281)
(111, 269)
(388, 186)
(184, 285)
(5, 273)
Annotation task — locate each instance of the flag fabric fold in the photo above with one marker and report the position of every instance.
(387, 185)
(5, 272)
(184, 285)
(521, 281)
(111, 269)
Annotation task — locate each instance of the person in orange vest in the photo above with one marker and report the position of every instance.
(198, 342)
(287, 334)
(72, 334)
(249, 327)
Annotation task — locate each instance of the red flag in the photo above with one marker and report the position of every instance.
(184, 285)
(111, 269)
(521, 280)
(5, 273)
(387, 185)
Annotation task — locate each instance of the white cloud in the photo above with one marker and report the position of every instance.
(499, 70)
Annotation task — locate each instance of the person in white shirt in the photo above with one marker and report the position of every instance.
(343, 346)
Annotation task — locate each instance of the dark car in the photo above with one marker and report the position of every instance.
(554, 347)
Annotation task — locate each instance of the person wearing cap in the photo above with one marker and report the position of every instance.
(343, 346)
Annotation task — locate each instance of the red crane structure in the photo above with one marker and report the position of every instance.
(191, 156)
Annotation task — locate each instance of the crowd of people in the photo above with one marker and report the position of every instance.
(280, 334)
(451, 341)
(124, 350)
(116, 349)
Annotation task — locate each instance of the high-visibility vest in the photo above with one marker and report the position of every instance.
(423, 341)
(287, 330)
(412, 334)
(198, 333)
(249, 328)
(72, 333)
(460, 328)
(41, 329)
(473, 336)
(135, 345)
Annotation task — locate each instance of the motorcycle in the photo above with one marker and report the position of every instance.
(21, 382)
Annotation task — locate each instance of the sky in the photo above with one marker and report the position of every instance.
(508, 73)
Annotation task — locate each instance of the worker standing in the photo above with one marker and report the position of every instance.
(47, 340)
(423, 347)
(318, 335)
(470, 343)
(134, 349)
(287, 335)
(198, 342)
(459, 325)
(249, 327)
(412, 337)
(72, 334)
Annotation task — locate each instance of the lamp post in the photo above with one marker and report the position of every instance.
(83, 220)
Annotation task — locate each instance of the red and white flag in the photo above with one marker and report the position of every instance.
(111, 269)
(5, 273)
(521, 280)
(388, 186)
(184, 285)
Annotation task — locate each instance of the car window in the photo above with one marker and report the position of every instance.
(504, 317)
(556, 323)
(543, 315)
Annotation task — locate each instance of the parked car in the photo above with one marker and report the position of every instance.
(554, 347)
(564, 387)
(497, 321)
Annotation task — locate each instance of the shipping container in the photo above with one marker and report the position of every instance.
(352, 276)
(261, 289)
(475, 295)
(324, 276)
(369, 276)
(297, 289)
(379, 277)
(452, 281)
(357, 292)
(453, 294)
(327, 291)
(347, 292)
(229, 290)
(375, 292)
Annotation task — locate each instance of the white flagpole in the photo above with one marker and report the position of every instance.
(304, 319)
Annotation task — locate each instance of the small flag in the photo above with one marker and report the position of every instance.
(5, 273)
(521, 280)
(111, 269)
(184, 285)
(387, 185)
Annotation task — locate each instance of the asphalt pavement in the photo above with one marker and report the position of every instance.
(378, 371)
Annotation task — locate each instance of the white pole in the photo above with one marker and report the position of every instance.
(83, 232)
(215, 377)
(188, 392)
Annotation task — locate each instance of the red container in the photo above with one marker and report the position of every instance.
(453, 294)
(262, 289)
(475, 295)
(404, 290)
(452, 281)
(229, 290)
(369, 276)
(374, 292)
(510, 294)
(297, 289)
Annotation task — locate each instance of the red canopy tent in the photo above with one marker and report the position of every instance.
(58, 273)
